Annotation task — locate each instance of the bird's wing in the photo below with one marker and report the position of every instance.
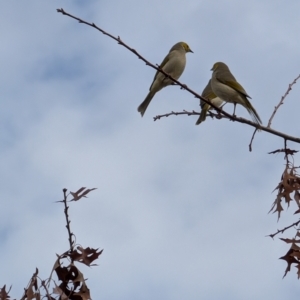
(207, 93)
(166, 59)
(235, 85)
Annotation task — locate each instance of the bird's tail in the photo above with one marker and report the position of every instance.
(143, 106)
(204, 111)
(252, 111)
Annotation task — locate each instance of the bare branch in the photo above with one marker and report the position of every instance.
(238, 119)
(174, 113)
(70, 234)
(185, 87)
(250, 145)
(156, 67)
(287, 151)
(282, 99)
(284, 229)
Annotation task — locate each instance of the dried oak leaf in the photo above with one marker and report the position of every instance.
(295, 178)
(79, 276)
(73, 273)
(4, 294)
(290, 260)
(84, 292)
(66, 290)
(297, 197)
(289, 241)
(32, 292)
(77, 196)
(296, 254)
(297, 211)
(277, 207)
(85, 256)
(58, 291)
(298, 272)
(290, 183)
(296, 248)
(62, 273)
(287, 182)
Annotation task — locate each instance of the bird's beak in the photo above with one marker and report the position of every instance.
(191, 51)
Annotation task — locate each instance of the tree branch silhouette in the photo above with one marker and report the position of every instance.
(238, 119)
(282, 99)
(223, 114)
(284, 229)
(70, 234)
(275, 110)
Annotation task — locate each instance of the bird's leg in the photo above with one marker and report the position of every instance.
(234, 109)
(219, 112)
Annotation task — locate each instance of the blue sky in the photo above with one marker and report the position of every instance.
(180, 210)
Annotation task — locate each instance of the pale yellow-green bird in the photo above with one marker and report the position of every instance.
(225, 86)
(209, 95)
(173, 65)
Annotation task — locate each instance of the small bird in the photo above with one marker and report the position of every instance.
(209, 95)
(225, 86)
(173, 64)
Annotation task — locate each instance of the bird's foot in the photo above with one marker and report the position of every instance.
(219, 114)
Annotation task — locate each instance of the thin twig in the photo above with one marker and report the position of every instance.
(286, 152)
(43, 283)
(238, 119)
(174, 113)
(284, 229)
(70, 234)
(250, 145)
(282, 99)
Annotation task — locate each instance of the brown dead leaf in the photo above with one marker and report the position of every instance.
(32, 291)
(289, 241)
(58, 291)
(295, 247)
(4, 295)
(297, 211)
(296, 254)
(62, 273)
(290, 260)
(289, 184)
(79, 276)
(277, 207)
(85, 256)
(287, 187)
(298, 272)
(297, 198)
(84, 292)
(77, 196)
